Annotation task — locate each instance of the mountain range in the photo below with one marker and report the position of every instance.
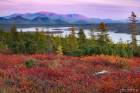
(50, 18)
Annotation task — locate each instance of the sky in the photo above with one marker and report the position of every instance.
(114, 9)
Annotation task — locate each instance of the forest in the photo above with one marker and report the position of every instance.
(75, 44)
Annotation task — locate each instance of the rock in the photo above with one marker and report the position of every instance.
(102, 72)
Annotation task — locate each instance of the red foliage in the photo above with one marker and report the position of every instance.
(62, 74)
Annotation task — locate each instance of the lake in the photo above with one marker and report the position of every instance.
(63, 31)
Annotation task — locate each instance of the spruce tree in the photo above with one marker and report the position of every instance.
(1, 35)
(14, 39)
(14, 34)
(40, 39)
(103, 36)
(72, 42)
(133, 29)
(82, 38)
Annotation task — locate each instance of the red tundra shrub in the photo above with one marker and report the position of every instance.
(63, 74)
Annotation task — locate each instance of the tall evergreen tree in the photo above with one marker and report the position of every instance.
(82, 38)
(1, 35)
(14, 43)
(92, 33)
(133, 28)
(14, 33)
(40, 39)
(49, 43)
(103, 36)
(3, 39)
(102, 27)
(72, 42)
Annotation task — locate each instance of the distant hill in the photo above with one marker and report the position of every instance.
(52, 18)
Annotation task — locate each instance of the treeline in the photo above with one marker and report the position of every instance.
(41, 42)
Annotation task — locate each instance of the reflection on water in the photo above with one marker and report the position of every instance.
(63, 31)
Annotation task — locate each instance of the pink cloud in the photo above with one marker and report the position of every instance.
(91, 8)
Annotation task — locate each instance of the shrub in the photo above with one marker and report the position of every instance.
(30, 63)
(123, 64)
(7, 90)
(74, 53)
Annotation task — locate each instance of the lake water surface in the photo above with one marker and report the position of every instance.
(63, 31)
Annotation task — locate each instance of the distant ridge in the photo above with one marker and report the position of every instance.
(50, 18)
